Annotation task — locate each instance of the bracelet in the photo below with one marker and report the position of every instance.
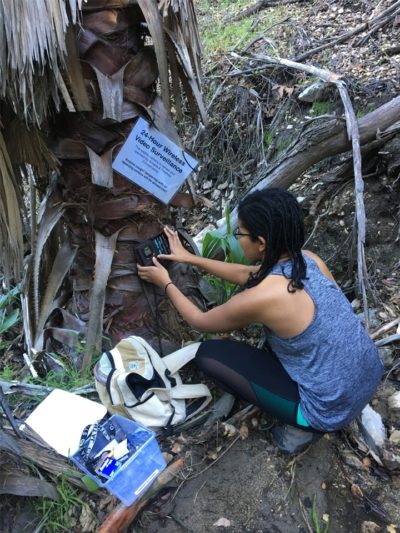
(166, 286)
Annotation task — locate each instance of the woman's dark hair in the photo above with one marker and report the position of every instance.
(275, 215)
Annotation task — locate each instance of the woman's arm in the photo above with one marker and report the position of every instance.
(232, 272)
(238, 312)
(235, 273)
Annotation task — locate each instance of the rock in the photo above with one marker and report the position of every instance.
(370, 527)
(216, 194)
(394, 407)
(372, 424)
(395, 437)
(391, 460)
(206, 185)
(374, 322)
(386, 354)
(352, 460)
(315, 92)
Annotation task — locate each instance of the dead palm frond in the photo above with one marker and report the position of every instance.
(11, 241)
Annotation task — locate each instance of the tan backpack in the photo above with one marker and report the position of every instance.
(134, 381)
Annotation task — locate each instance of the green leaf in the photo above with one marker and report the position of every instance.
(9, 321)
(235, 253)
(228, 221)
(213, 242)
(5, 299)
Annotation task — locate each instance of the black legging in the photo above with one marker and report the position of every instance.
(256, 375)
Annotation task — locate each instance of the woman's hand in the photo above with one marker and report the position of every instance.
(156, 274)
(178, 252)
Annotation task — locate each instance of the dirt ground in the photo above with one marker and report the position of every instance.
(256, 489)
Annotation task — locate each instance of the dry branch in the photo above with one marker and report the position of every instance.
(385, 328)
(47, 459)
(374, 23)
(121, 517)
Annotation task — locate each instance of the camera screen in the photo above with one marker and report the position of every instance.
(148, 251)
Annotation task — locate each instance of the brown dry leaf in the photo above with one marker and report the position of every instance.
(366, 462)
(176, 448)
(282, 90)
(356, 491)
(244, 432)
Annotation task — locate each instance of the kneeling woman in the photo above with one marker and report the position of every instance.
(322, 368)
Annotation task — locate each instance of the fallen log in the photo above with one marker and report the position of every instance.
(42, 457)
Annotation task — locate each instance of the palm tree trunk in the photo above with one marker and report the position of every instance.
(113, 76)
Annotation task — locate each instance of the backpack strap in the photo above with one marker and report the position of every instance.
(176, 360)
(186, 392)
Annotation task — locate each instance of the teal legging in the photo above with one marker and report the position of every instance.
(256, 375)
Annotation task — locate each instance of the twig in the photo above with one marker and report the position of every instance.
(121, 517)
(29, 364)
(197, 493)
(375, 28)
(216, 460)
(305, 517)
(388, 340)
(9, 415)
(385, 328)
(17, 387)
(350, 33)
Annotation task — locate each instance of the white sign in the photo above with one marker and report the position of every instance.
(152, 161)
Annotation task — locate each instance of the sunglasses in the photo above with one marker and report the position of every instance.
(237, 234)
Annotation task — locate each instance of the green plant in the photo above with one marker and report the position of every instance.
(7, 373)
(220, 34)
(320, 108)
(316, 521)
(216, 244)
(268, 137)
(364, 111)
(58, 515)
(66, 379)
(8, 319)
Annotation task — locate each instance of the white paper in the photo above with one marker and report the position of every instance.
(154, 162)
(61, 417)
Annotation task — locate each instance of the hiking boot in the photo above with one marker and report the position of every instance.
(292, 440)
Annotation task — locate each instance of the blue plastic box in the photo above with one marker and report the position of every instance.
(138, 472)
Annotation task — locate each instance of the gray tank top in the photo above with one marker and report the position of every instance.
(334, 362)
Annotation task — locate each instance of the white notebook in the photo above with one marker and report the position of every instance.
(61, 417)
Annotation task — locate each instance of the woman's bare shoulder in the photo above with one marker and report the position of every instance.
(321, 264)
